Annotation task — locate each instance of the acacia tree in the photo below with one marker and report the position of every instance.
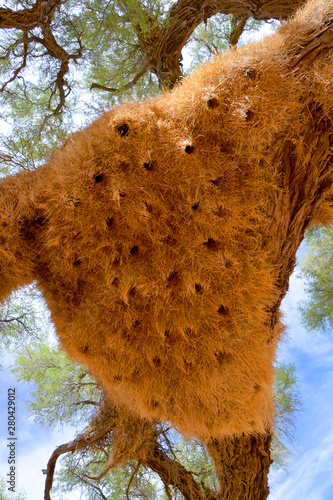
(126, 48)
(158, 36)
(317, 269)
(153, 33)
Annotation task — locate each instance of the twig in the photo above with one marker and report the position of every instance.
(132, 477)
(87, 402)
(24, 61)
(125, 87)
(94, 486)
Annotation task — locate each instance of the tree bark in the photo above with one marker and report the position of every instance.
(259, 9)
(173, 473)
(27, 19)
(242, 464)
(199, 10)
(162, 45)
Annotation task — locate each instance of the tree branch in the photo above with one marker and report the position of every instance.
(241, 463)
(132, 477)
(319, 43)
(162, 45)
(238, 25)
(19, 320)
(259, 9)
(102, 422)
(28, 19)
(40, 15)
(24, 61)
(87, 402)
(173, 473)
(84, 481)
(125, 87)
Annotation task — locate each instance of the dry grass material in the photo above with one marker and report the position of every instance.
(162, 235)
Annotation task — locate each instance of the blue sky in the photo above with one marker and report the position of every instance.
(309, 474)
(34, 444)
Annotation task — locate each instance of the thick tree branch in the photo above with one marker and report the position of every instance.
(259, 9)
(53, 48)
(185, 15)
(238, 25)
(162, 44)
(301, 203)
(170, 470)
(43, 10)
(320, 43)
(173, 473)
(28, 19)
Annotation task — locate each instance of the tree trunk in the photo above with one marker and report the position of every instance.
(242, 465)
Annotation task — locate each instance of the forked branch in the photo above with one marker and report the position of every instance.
(100, 426)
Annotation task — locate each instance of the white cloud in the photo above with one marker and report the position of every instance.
(34, 443)
(310, 476)
(310, 467)
(34, 458)
(300, 341)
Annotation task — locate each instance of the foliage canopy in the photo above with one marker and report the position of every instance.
(317, 269)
